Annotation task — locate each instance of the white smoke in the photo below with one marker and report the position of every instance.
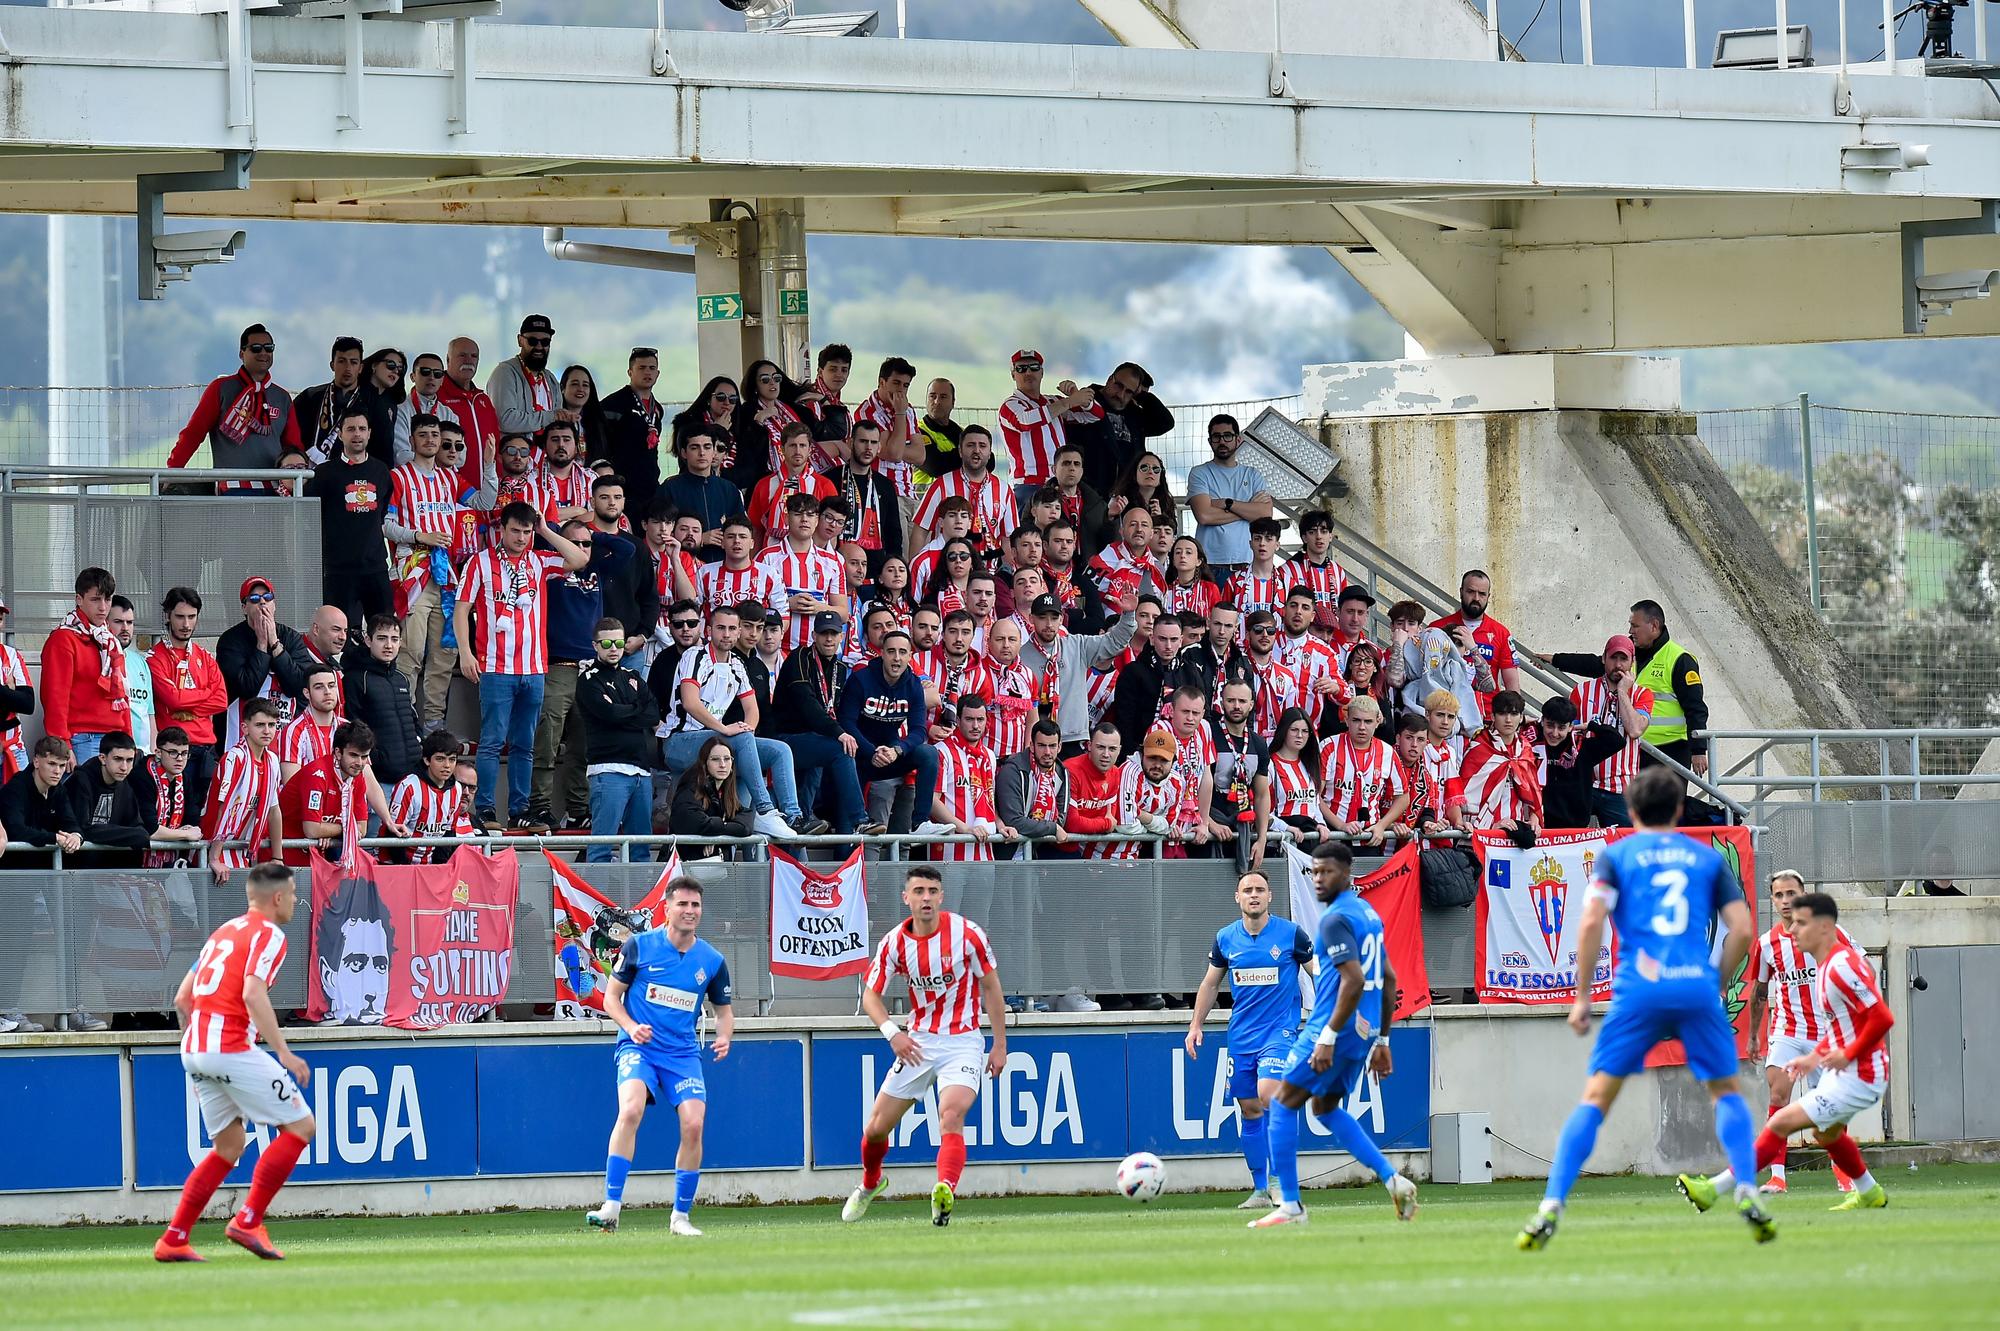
(1234, 326)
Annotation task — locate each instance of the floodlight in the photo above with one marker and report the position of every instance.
(1757, 48)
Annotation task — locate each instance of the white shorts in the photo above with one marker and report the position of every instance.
(1839, 1096)
(1785, 1048)
(949, 1060)
(251, 1086)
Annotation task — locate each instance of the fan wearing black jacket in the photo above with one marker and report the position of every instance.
(619, 714)
(1132, 415)
(379, 694)
(110, 806)
(1573, 753)
(704, 802)
(634, 424)
(260, 658)
(805, 705)
(1148, 680)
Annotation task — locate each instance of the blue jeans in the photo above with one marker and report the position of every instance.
(509, 708)
(919, 758)
(1610, 809)
(752, 756)
(620, 805)
(85, 747)
(813, 755)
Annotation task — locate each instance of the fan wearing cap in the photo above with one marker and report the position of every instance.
(260, 657)
(1617, 702)
(1031, 424)
(525, 395)
(1062, 661)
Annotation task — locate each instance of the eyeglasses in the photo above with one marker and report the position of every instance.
(1223, 436)
(451, 448)
(1263, 628)
(430, 372)
(517, 452)
(1155, 467)
(767, 378)
(262, 348)
(583, 545)
(259, 598)
(607, 643)
(685, 623)
(956, 556)
(538, 341)
(725, 397)
(397, 366)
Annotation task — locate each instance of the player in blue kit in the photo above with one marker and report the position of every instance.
(1345, 1035)
(1661, 890)
(1261, 956)
(655, 997)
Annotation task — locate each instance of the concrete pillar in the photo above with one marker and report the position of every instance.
(80, 429)
(756, 265)
(724, 273)
(1580, 486)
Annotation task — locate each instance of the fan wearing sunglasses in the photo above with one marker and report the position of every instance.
(426, 378)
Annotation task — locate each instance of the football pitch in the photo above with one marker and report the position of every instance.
(1631, 1253)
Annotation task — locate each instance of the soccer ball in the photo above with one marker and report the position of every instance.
(1141, 1176)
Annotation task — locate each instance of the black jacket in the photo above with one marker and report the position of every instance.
(875, 494)
(628, 428)
(245, 667)
(620, 714)
(1110, 445)
(799, 705)
(1143, 686)
(1014, 793)
(107, 814)
(1572, 770)
(693, 816)
(379, 694)
(30, 816)
(760, 685)
(15, 703)
(1211, 675)
(629, 582)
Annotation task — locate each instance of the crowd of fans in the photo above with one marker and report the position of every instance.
(787, 614)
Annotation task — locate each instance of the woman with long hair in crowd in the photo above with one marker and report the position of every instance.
(1144, 483)
(1363, 675)
(381, 393)
(766, 410)
(579, 393)
(1190, 586)
(1295, 770)
(705, 802)
(956, 562)
(712, 412)
(891, 591)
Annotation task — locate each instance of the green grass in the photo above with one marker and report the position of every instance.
(1631, 1253)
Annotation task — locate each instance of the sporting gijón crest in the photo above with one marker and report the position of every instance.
(1548, 888)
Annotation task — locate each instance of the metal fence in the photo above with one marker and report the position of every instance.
(113, 941)
(1903, 533)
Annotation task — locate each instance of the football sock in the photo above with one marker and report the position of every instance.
(1579, 1138)
(1256, 1153)
(1733, 1130)
(951, 1157)
(1778, 1165)
(274, 1166)
(872, 1155)
(1769, 1147)
(202, 1181)
(1846, 1156)
(1284, 1135)
(615, 1170)
(685, 1183)
(1351, 1137)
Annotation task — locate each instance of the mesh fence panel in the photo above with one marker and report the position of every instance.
(1883, 841)
(97, 427)
(1908, 527)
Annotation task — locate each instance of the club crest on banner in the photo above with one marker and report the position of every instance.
(1548, 888)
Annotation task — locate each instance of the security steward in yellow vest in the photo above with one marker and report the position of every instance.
(1671, 672)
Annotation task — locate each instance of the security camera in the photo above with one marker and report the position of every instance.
(177, 253)
(1938, 292)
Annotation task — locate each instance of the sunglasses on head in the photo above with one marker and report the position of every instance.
(645, 353)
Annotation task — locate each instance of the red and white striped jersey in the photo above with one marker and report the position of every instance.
(923, 568)
(531, 489)
(318, 793)
(1358, 784)
(1308, 657)
(304, 739)
(718, 584)
(430, 812)
(219, 1023)
(1294, 789)
(818, 572)
(241, 799)
(1194, 757)
(1441, 764)
(883, 416)
(954, 682)
(571, 490)
(1787, 972)
(965, 784)
(1597, 705)
(768, 496)
(1010, 709)
(1323, 580)
(424, 499)
(1122, 573)
(1246, 591)
(1136, 796)
(1200, 596)
(773, 429)
(1032, 433)
(943, 969)
(511, 604)
(1277, 690)
(994, 516)
(1500, 785)
(1843, 991)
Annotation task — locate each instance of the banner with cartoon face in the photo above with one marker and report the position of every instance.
(411, 946)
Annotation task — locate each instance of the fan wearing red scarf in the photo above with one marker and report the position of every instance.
(1501, 775)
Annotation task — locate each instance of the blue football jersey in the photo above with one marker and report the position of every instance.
(664, 988)
(1263, 979)
(1349, 930)
(1665, 891)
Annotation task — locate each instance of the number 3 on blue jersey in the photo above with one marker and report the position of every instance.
(1672, 917)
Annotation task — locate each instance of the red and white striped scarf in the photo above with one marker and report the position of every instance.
(107, 646)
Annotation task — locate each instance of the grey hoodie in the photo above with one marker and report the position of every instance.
(1078, 655)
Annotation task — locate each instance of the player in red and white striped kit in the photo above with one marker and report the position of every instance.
(225, 1004)
(952, 973)
(1854, 1022)
(1781, 977)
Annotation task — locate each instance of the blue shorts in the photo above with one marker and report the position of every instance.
(1334, 1083)
(670, 1077)
(1638, 1020)
(1252, 1063)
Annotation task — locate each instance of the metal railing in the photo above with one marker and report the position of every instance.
(1782, 12)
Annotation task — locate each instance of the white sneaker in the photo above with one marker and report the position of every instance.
(1404, 1194)
(1290, 1213)
(682, 1227)
(20, 1023)
(7, 1024)
(932, 829)
(1077, 1001)
(772, 824)
(859, 1200)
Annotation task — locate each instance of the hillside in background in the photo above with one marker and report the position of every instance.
(1213, 324)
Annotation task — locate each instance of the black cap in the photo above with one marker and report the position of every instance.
(1045, 604)
(827, 622)
(1355, 593)
(538, 323)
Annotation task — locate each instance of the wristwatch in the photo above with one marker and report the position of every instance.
(1229, 505)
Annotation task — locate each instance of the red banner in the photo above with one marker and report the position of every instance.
(413, 946)
(587, 937)
(1394, 892)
